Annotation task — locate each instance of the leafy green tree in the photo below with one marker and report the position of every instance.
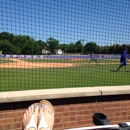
(42, 45)
(7, 48)
(27, 45)
(78, 47)
(71, 48)
(63, 47)
(20, 40)
(52, 44)
(27, 49)
(90, 47)
(30, 47)
(6, 36)
(36, 49)
(118, 49)
(103, 50)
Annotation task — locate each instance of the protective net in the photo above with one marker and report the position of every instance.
(64, 43)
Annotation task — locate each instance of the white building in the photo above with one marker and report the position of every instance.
(59, 52)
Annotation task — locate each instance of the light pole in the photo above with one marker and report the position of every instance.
(106, 47)
(32, 44)
(82, 40)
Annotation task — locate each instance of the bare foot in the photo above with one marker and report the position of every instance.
(47, 115)
(30, 116)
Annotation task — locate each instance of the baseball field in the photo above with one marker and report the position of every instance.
(29, 74)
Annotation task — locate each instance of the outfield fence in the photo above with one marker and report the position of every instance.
(96, 56)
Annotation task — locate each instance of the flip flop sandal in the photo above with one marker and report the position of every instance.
(31, 123)
(42, 123)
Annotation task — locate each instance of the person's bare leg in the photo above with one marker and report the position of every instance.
(28, 114)
(126, 69)
(119, 68)
(48, 116)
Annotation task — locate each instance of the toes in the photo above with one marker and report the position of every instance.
(51, 111)
(48, 104)
(24, 115)
(42, 106)
(45, 108)
(36, 108)
(48, 109)
(30, 110)
(28, 118)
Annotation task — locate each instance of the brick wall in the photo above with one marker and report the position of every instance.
(70, 112)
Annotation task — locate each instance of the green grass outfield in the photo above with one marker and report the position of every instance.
(72, 60)
(5, 61)
(83, 75)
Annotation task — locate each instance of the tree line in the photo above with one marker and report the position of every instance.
(23, 44)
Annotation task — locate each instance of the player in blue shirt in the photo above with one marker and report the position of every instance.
(123, 60)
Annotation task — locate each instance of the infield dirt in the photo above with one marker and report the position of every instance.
(17, 63)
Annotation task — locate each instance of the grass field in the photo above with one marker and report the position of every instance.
(5, 61)
(83, 75)
(71, 60)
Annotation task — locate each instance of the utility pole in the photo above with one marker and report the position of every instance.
(82, 40)
(106, 47)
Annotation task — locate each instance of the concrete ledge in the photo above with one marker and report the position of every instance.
(114, 90)
(16, 96)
